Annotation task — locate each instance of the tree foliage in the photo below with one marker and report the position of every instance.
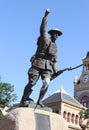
(6, 94)
(84, 113)
(1, 115)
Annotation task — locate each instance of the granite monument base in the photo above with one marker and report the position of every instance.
(28, 119)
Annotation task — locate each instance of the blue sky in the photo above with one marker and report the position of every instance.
(19, 29)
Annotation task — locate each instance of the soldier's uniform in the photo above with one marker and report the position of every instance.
(44, 63)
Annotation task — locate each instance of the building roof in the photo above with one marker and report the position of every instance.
(59, 95)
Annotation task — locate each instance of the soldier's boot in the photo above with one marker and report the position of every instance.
(41, 95)
(26, 94)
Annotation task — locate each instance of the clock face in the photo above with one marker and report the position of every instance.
(86, 78)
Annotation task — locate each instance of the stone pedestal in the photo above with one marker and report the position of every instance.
(28, 119)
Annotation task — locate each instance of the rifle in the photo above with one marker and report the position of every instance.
(61, 71)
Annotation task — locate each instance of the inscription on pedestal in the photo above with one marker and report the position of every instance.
(42, 122)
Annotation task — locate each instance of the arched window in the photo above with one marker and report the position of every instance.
(80, 120)
(84, 68)
(88, 66)
(85, 101)
(76, 120)
(65, 115)
(68, 117)
(72, 118)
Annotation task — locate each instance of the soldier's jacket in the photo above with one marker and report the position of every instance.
(46, 54)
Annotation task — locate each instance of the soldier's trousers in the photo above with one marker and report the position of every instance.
(33, 75)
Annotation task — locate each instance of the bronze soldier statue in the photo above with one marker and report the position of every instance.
(44, 61)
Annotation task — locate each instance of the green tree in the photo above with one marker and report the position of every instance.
(84, 113)
(1, 115)
(7, 95)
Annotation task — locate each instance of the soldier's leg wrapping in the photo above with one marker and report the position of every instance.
(33, 77)
(43, 90)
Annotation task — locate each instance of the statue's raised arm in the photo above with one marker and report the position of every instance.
(44, 23)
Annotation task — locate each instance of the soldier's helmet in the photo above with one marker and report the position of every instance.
(55, 30)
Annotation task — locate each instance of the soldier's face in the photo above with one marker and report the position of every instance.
(54, 36)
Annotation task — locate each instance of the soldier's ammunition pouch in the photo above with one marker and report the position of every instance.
(39, 62)
(42, 64)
